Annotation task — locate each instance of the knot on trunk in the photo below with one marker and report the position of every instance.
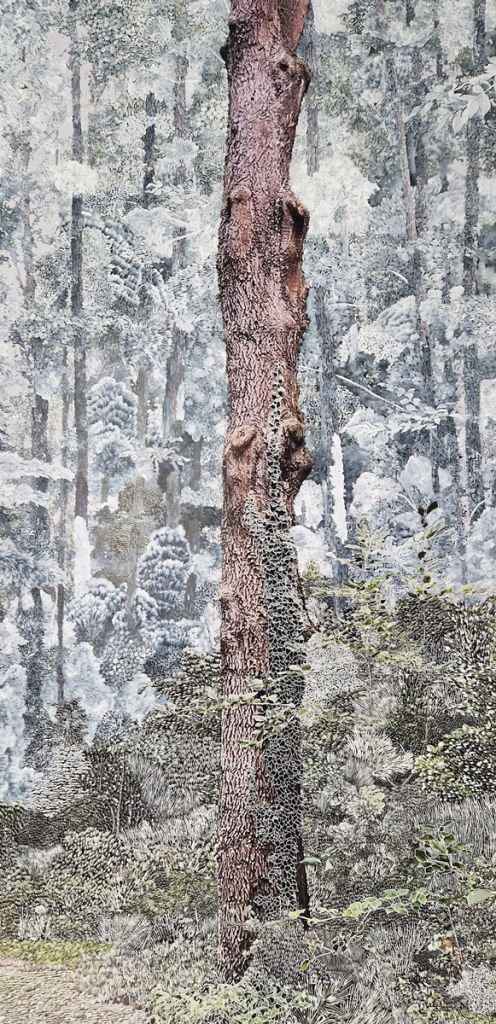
(296, 463)
(291, 77)
(242, 451)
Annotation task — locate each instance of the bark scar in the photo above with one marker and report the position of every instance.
(294, 219)
(240, 213)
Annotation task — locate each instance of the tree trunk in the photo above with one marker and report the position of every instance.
(475, 483)
(142, 410)
(149, 140)
(142, 385)
(263, 298)
(39, 521)
(327, 381)
(309, 47)
(80, 399)
(411, 151)
(449, 444)
(62, 524)
(328, 423)
(172, 413)
(408, 196)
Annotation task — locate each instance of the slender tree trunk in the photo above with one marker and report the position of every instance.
(142, 410)
(39, 410)
(471, 374)
(33, 619)
(62, 534)
(327, 378)
(263, 297)
(134, 553)
(408, 195)
(309, 51)
(173, 419)
(328, 420)
(449, 445)
(411, 151)
(149, 140)
(142, 383)
(80, 383)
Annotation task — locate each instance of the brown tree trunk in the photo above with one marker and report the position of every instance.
(263, 297)
(80, 399)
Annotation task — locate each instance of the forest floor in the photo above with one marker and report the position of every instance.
(34, 993)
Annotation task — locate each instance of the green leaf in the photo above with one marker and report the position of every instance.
(305, 964)
(479, 896)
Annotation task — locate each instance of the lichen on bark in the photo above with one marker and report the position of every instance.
(263, 298)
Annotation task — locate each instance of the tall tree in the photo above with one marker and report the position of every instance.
(33, 618)
(80, 397)
(173, 415)
(263, 298)
(328, 345)
(471, 368)
(61, 532)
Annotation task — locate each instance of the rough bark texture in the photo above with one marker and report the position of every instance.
(263, 296)
(80, 401)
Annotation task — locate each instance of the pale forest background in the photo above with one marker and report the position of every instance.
(112, 424)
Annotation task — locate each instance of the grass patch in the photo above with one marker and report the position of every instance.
(46, 951)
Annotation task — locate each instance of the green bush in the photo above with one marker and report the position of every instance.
(220, 1004)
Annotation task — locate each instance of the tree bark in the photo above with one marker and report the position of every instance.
(263, 298)
(80, 383)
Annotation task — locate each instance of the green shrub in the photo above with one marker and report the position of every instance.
(182, 894)
(220, 1004)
